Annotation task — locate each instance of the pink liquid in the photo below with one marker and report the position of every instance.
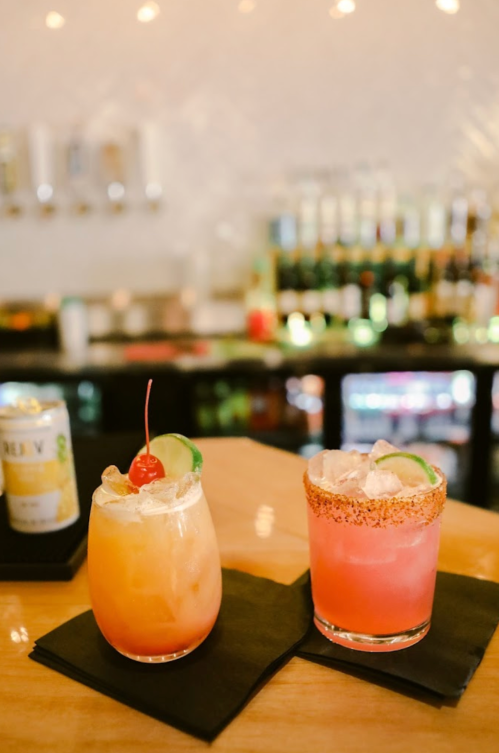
(376, 581)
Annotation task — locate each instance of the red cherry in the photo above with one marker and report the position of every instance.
(146, 468)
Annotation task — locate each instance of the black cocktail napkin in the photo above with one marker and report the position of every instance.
(465, 616)
(259, 625)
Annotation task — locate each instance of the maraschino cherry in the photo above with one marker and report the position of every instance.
(146, 468)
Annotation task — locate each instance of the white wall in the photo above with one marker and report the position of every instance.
(240, 98)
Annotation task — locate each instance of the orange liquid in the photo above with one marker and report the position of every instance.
(377, 581)
(155, 580)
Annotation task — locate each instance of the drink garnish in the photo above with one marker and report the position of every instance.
(146, 467)
(412, 470)
(117, 484)
(178, 454)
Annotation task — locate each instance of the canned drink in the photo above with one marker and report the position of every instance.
(38, 468)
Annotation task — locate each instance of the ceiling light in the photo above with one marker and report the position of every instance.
(346, 6)
(246, 6)
(54, 20)
(148, 12)
(448, 6)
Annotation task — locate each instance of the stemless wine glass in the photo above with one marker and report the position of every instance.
(153, 566)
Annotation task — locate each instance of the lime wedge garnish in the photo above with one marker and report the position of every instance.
(177, 453)
(411, 469)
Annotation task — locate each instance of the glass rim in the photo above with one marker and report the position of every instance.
(133, 504)
(424, 506)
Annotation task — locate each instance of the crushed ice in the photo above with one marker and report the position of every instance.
(356, 475)
(116, 487)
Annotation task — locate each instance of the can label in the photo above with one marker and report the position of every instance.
(38, 470)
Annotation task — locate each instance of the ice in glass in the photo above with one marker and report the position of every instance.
(154, 566)
(374, 531)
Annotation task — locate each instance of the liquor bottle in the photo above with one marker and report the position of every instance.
(328, 218)
(449, 287)
(42, 166)
(351, 298)
(485, 297)
(443, 287)
(434, 221)
(418, 267)
(78, 171)
(396, 288)
(457, 271)
(328, 271)
(418, 292)
(435, 234)
(309, 301)
(9, 171)
(329, 286)
(113, 169)
(284, 242)
(308, 235)
(458, 218)
(367, 283)
(377, 298)
(367, 200)
(464, 283)
(347, 215)
(387, 206)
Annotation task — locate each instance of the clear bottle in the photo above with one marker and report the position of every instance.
(308, 240)
(284, 241)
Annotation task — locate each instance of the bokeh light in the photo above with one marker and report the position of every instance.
(54, 20)
(448, 6)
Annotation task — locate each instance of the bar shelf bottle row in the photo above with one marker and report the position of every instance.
(371, 276)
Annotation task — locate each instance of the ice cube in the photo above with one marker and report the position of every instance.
(382, 447)
(160, 490)
(360, 471)
(350, 487)
(186, 483)
(116, 483)
(381, 484)
(316, 467)
(337, 464)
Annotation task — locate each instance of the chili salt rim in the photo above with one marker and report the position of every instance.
(424, 507)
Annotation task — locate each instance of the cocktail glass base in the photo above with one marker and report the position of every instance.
(367, 642)
(162, 658)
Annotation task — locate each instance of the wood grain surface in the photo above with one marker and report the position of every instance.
(257, 502)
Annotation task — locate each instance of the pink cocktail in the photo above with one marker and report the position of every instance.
(373, 559)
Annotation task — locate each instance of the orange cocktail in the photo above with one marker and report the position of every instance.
(374, 542)
(154, 568)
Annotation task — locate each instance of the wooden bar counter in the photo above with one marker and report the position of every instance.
(257, 501)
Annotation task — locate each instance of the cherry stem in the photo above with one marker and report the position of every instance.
(146, 415)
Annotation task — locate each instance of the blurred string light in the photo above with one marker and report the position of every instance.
(148, 12)
(246, 6)
(448, 6)
(54, 20)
